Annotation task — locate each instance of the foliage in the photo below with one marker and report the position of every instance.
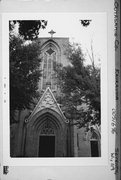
(29, 30)
(24, 63)
(80, 86)
(24, 73)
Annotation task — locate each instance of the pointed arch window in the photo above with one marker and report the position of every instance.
(49, 77)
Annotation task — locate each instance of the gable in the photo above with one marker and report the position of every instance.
(47, 101)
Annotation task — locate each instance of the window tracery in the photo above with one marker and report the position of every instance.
(47, 128)
(49, 77)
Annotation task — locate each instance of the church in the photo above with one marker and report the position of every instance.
(46, 132)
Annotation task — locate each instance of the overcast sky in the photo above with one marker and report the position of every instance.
(69, 25)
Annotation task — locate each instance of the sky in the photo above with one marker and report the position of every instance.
(69, 25)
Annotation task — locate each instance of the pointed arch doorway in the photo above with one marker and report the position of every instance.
(46, 135)
(46, 146)
(47, 139)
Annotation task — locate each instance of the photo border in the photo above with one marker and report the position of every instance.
(105, 125)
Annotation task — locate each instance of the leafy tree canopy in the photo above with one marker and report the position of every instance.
(24, 64)
(24, 73)
(29, 30)
(80, 86)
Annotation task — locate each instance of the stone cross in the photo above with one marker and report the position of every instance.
(51, 33)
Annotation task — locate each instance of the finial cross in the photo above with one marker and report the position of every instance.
(51, 33)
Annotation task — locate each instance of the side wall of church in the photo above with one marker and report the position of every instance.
(17, 134)
(81, 144)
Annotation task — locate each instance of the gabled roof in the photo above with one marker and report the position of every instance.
(47, 101)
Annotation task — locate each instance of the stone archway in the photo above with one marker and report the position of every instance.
(46, 135)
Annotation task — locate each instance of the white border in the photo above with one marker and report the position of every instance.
(82, 161)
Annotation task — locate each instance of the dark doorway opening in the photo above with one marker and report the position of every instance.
(47, 146)
(94, 149)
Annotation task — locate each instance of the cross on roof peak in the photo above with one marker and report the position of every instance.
(51, 33)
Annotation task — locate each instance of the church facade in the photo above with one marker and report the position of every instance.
(46, 132)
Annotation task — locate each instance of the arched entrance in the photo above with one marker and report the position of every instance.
(46, 135)
(47, 139)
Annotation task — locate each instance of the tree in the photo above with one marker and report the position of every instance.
(80, 86)
(24, 64)
(29, 30)
(24, 74)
